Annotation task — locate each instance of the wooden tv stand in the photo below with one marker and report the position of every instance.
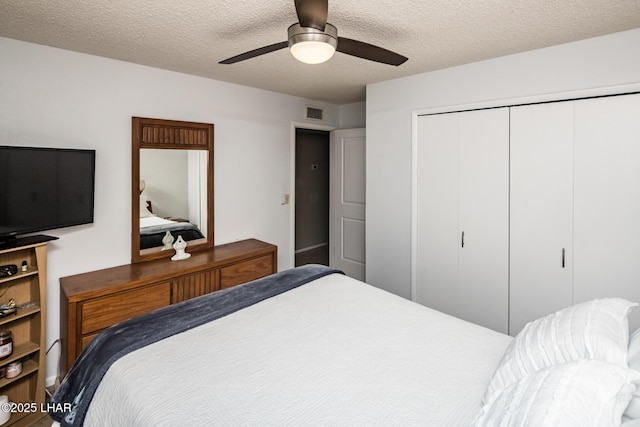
(91, 302)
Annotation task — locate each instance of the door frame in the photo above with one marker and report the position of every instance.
(292, 190)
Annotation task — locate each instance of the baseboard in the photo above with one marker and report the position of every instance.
(310, 248)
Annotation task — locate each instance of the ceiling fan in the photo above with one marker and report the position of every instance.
(312, 40)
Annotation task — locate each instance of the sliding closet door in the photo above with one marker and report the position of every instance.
(437, 212)
(484, 217)
(462, 187)
(607, 200)
(541, 211)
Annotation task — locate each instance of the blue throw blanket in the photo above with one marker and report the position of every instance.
(80, 384)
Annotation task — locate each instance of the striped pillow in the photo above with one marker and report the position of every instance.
(596, 329)
(580, 393)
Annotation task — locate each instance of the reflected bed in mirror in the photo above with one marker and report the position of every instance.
(173, 196)
(154, 229)
(172, 183)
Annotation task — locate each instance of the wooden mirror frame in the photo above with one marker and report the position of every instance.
(167, 134)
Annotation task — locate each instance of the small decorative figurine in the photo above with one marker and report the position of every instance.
(167, 241)
(8, 308)
(180, 246)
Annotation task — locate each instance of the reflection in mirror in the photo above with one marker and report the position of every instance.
(173, 196)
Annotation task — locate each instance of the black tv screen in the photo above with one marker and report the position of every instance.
(45, 188)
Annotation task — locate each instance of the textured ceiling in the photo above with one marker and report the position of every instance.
(191, 36)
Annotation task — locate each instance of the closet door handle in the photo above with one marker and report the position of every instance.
(462, 239)
(563, 257)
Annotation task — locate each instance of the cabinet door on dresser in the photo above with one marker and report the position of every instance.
(607, 200)
(193, 285)
(463, 215)
(541, 205)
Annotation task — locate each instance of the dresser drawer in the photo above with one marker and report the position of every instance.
(104, 312)
(246, 271)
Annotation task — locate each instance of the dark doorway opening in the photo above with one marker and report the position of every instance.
(312, 197)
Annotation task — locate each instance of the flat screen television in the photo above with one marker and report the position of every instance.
(44, 189)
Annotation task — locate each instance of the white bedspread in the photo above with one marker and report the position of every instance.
(335, 352)
(152, 220)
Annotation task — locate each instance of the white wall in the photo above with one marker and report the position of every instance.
(56, 98)
(595, 63)
(165, 173)
(353, 115)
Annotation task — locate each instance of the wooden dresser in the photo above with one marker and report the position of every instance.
(91, 302)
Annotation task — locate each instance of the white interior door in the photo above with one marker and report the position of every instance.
(607, 200)
(541, 211)
(436, 234)
(484, 218)
(348, 231)
(462, 226)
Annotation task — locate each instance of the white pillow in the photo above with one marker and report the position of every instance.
(596, 329)
(580, 393)
(634, 350)
(633, 410)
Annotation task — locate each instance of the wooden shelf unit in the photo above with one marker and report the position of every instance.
(91, 302)
(27, 325)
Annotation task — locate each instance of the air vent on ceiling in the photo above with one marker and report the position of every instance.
(315, 113)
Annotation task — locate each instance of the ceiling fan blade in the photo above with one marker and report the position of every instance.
(368, 51)
(255, 52)
(312, 13)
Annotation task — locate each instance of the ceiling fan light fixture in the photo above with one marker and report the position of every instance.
(312, 46)
(312, 52)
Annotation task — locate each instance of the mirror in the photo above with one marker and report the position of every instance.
(171, 188)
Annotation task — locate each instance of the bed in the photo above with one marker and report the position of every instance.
(153, 228)
(311, 346)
